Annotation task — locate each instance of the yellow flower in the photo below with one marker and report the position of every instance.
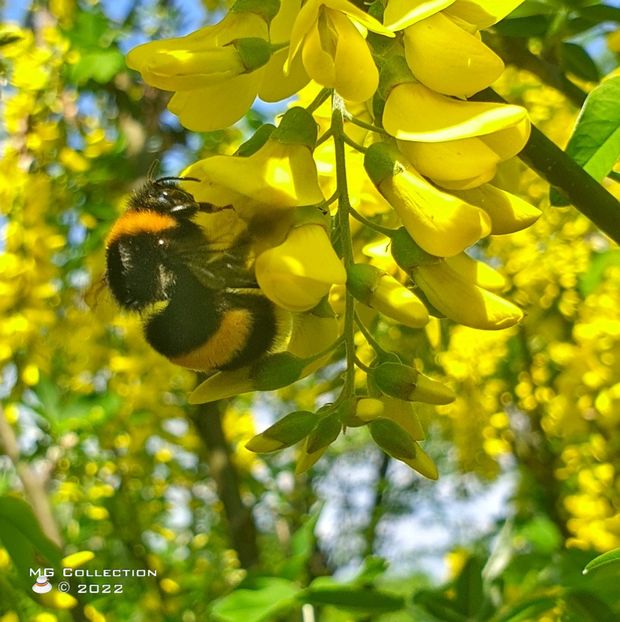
(333, 50)
(467, 162)
(456, 294)
(448, 59)
(482, 13)
(217, 71)
(399, 14)
(440, 223)
(277, 176)
(414, 112)
(296, 274)
(508, 212)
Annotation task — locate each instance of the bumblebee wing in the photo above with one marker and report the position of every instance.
(224, 229)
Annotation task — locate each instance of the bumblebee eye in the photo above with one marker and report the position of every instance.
(184, 209)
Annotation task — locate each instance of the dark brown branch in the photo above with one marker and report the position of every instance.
(208, 422)
(561, 171)
(514, 51)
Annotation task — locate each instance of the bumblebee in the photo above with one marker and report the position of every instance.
(200, 303)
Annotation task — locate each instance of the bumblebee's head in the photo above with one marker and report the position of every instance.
(148, 244)
(165, 197)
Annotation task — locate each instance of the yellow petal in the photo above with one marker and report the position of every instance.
(440, 223)
(404, 415)
(77, 559)
(507, 211)
(508, 142)
(217, 106)
(369, 22)
(399, 14)
(222, 385)
(483, 13)
(320, 63)
(463, 301)
(422, 463)
(451, 160)
(448, 59)
(277, 176)
(414, 112)
(477, 272)
(306, 19)
(399, 303)
(276, 84)
(464, 184)
(298, 273)
(336, 55)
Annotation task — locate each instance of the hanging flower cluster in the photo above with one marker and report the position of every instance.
(363, 199)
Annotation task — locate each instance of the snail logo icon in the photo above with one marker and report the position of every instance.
(42, 586)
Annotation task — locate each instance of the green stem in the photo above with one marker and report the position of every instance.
(354, 144)
(318, 100)
(371, 225)
(367, 126)
(372, 342)
(344, 210)
(325, 352)
(561, 171)
(362, 365)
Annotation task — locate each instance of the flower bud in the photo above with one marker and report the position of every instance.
(406, 253)
(324, 434)
(253, 52)
(423, 464)
(284, 433)
(431, 391)
(222, 385)
(477, 272)
(384, 293)
(278, 370)
(392, 439)
(395, 379)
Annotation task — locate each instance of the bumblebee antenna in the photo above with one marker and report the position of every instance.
(150, 175)
(161, 179)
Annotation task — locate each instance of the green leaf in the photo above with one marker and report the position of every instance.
(352, 598)
(302, 546)
(589, 608)
(595, 143)
(373, 568)
(576, 60)
(532, 26)
(438, 606)
(98, 65)
(529, 610)
(22, 537)
(258, 599)
(606, 559)
(468, 587)
(601, 13)
(593, 276)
